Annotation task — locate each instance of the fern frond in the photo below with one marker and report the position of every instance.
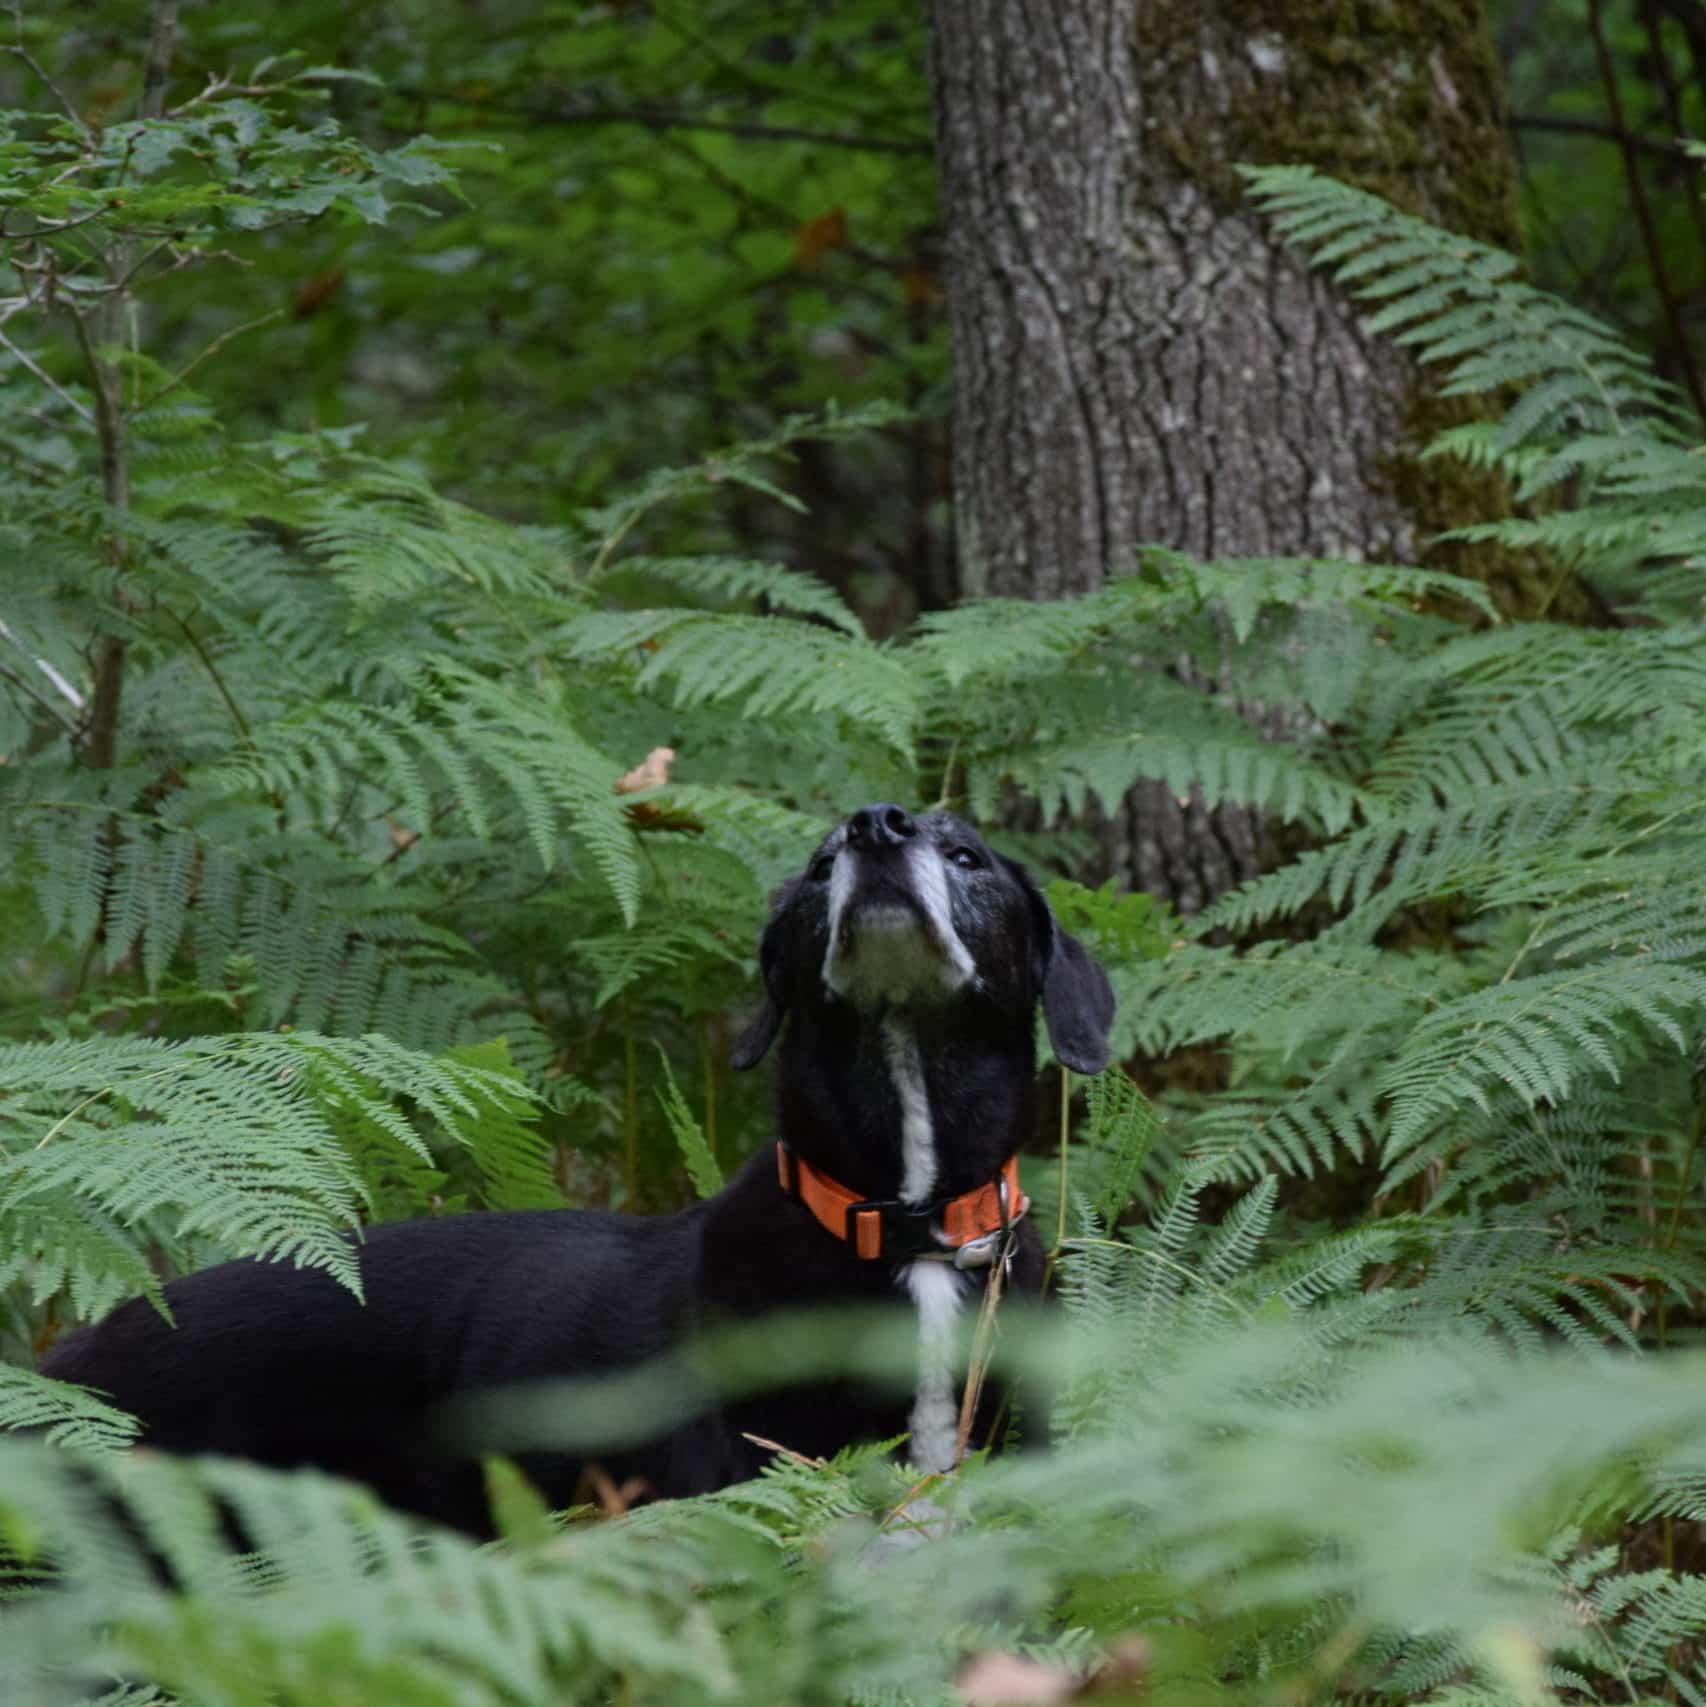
(1434, 850)
(689, 1135)
(1542, 1037)
(744, 578)
(770, 666)
(1219, 759)
(1455, 301)
(389, 538)
(69, 1416)
(769, 838)
(226, 1139)
(1118, 1135)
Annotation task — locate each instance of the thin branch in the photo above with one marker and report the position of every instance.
(666, 118)
(222, 84)
(1660, 146)
(50, 382)
(410, 838)
(1644, 214)
(1652, 16)
(212, 349)
(53, 227)
(24, 685)
(123, 281)
(108, 419)
(212, 669)
(741, 67)
(19, 51)
(99, 745)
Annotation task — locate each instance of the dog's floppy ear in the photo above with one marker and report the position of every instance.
(1078, 1003)
(753, 1044)
(1078, 1000)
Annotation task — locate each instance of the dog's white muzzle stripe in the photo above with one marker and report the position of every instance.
(895, 952)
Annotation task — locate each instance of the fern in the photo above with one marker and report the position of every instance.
(1543, 1036)
(69, 1416)
(728, 577)
(105, 1142)
(767, 664)
(701, 1162)
(1455, 300)
(1587, 409)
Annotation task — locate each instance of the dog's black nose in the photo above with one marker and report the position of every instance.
(880, 826)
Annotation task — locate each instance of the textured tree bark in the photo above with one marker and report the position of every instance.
(1136, 361)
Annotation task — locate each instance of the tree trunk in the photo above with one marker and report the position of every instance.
(1136, 361)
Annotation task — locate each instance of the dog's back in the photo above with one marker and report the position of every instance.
(287, 1367)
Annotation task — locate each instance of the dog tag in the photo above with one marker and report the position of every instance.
(978, 1253)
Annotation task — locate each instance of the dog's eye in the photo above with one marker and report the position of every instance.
(966, 857)
(821, 870)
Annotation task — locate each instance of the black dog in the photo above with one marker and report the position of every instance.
(902, 972)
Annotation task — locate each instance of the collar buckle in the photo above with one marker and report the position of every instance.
(946, 1229)
(886, 1227)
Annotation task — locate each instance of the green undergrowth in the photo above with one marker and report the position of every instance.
(374, 894)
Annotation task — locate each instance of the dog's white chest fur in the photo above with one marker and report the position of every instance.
(936, 1288)
(917, 1130)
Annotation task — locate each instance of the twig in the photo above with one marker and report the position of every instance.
(742, 69)
(1658, 145)
(666, 118)
(100, 730)
(56, 227)
(1065, 1129)
(100, 743)
(109, 423)
(1665, 77)
(1644, 214)
(410, 838)
(785, 1451)
(615, 537)
(24, 685)
(19, 51)
(982, 1344)
(66, 691)
(922, 1486)
(212, 669)
(50, 382)
(123, 281)
(212, 349)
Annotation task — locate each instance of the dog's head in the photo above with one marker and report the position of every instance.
(897, 912)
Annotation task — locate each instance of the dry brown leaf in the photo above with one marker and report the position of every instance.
(651, 772)
(316, 291)
(816, 236)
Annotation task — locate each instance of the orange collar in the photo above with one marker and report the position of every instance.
(885, 1227)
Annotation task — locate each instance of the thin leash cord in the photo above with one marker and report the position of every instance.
(983, 1338)
(982, 1344)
